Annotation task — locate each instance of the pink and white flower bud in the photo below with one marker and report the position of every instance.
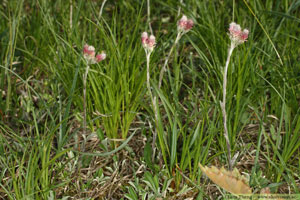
(234, 29)
(89, 50)
(100, 57)
(244, 35)
(189, 25)
(182, 22)
(148, 42)
(237, 36)
(185, 24)
(151, 42)
(89, 54)
(144, 39)
(85, 48)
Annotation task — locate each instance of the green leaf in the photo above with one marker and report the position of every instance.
(111, 152)
(173, 144)
(148, 155)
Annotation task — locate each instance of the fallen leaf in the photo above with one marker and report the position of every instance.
(231, 181)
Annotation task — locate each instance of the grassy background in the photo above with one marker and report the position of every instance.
(41, 101)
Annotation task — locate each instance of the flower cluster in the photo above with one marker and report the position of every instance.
(237, 36)
(185, 24)
(90, 55)
(148, 42)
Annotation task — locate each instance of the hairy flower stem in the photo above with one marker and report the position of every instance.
(163, 69)
(148, 17)
(223, 105)
(84, 100)
(153, 100)
(148, 77)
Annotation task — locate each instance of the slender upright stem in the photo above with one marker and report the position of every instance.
(71, 14)
(153, 101)
(148, 84)
(163, 69)
(7, 107)
(148, 76)
(84, 99)
(101, 9)
(148, 17)
(179, 8)
(60, 117)
(223, 106)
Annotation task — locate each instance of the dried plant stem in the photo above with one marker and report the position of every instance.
(163, 69)
(148, 17)
(179, 8)
(153, 145)
(223, 105)
(101, 9)
(153, 141)
(71, 14)
(84, 99)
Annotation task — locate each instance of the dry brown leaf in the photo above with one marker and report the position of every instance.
(230, 181)
(267, 193)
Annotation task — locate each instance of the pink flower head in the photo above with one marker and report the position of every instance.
(244, 35)
(89, 54)
(182, 22)
(151, 42)
(185, 24)
(189, 25)
(100, 57)
(234, 29)
(148, 42)
(237, 36)
(144, 39)
(88, 50)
